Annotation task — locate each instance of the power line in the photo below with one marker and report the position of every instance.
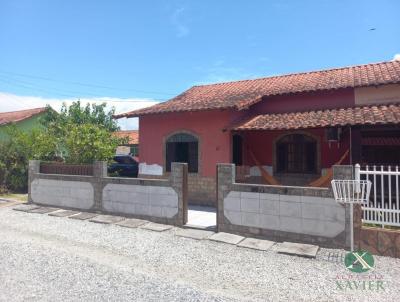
(64, 93)
(84, 84)
(34, 88)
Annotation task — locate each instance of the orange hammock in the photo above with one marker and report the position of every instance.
(269, 179)
(323, 181)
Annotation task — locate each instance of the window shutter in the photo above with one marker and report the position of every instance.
(311, 157)
(193, 157)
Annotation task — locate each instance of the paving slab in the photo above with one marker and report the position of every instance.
(132, 223)
(194, 234)
(256, 244)
(106, 219)
(226, 238)
(26, 207)
(64, 213)
(298, 249)
(202, 217)
(157, 227)
(43, 210)
(84, 216)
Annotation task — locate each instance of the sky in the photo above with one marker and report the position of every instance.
(133, 54)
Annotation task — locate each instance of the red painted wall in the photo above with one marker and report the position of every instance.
(305, 102)
(261, 143)
(214, 143)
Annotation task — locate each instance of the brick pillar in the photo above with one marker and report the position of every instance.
(225, 179)
(33, 169)
(178, 179)
(347, 172)
(99, 172)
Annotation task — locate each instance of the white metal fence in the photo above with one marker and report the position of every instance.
(383, 207)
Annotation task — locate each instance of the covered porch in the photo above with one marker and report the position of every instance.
(300, 148)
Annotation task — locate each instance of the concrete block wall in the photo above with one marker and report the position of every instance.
(282, 213)
(202, 190)
(159, 200)
(63, 193)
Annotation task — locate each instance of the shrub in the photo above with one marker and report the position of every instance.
(77, 135)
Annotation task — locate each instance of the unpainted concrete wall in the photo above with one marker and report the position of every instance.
(62, 193)
(318, 216)
(159, 200)
(282, 213)
(141, 200)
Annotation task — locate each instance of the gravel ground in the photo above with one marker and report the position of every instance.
(46, 258)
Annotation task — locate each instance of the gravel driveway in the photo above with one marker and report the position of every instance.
(46, 258)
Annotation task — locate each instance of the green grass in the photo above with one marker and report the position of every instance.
(15, 196)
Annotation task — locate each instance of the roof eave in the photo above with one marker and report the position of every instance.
(139, 114)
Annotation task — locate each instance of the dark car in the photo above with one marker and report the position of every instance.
(125, 165)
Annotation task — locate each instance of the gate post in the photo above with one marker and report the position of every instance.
(179, 181)
(357, 177)
(99, 172)
(33, 169)
(225, 179)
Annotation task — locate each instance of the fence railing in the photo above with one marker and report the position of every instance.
(67, 169)
(383, 207)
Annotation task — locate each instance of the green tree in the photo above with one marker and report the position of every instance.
(76, 114)
(88, 142)
(83, 134)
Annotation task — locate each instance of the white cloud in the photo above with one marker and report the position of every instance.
(181, 29)
(396, 57)
(12, 102)
(219, 72)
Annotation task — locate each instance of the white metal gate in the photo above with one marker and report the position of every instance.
(383, 207)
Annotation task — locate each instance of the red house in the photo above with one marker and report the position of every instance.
(287, 129)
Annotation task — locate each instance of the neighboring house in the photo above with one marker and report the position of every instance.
(295, 126)
(23, 120)
(133, 140)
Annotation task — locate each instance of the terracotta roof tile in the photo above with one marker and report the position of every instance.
(17, 116)
(241, 94)
(368, 115)
(133, 136)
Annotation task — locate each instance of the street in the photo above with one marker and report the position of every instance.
(46, 258)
